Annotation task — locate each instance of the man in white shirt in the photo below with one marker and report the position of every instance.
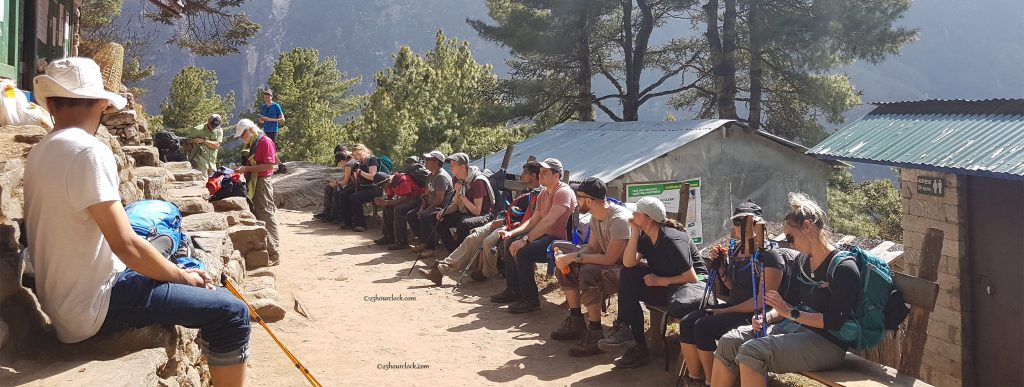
(94, 275)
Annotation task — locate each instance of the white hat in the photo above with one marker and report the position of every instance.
(242, 125)
(74, 78)
(652, 207)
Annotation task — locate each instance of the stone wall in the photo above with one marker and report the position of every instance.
(943, 359)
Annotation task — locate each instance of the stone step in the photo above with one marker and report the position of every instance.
(145, 156)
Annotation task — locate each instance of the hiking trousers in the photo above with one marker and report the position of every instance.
(789, 347)
(463, 223)
(470, 248)
(632, 291)
(222, 319)
(525, 263)
(400, 220)
(265, 209)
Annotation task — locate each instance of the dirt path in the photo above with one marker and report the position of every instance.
(461, 338)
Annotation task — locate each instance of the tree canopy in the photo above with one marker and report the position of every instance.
(193, 98)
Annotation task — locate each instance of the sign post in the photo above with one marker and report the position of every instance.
(670, 193)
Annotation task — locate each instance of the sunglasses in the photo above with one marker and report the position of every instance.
(789, 238)
(738, 222)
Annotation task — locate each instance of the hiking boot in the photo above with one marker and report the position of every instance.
(400, 245)
(434, 275)
(321, 215)
(427, 254)
(573, 327)
(620, 339)
(634, 357)
(329, 219)
(506, 296)
(588, 344)
(477, 275)
(359, 229)
(383, 241)
(344, 226)
(524, 307)
(417, 248)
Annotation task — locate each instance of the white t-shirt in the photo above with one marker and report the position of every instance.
(68, 171)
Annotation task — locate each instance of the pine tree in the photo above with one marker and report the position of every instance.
(193, 98)
(314, 95)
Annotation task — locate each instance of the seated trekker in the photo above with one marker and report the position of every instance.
(798, 335)
(366, 188)
(470, 207)
(554, 207)
(439, 193)
(699, 330)
(401, 193)
(594, 267)
(343, 159)
(484, 240)
(94, 274)
(658, 260)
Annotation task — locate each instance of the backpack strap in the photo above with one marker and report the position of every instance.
(841, 256)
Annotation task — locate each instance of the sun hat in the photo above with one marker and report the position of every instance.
(242, 125)
(74, 78)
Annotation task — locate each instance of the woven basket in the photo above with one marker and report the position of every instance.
(110, 58)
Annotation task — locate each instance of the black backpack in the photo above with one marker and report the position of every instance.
(169, 146)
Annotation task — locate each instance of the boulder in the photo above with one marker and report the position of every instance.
(302, 188)
(12, 191)
(177, 189)
(244, 218)
(192, 205)
(151, 187)
(145, 156)
(248, 238)
(257, 258)
(15, 141)
(178, 165)
(269, 310)
(129, 192)
(231, 204)
(262, 272)
(122, 118)
(188, 175)
(234, 267)
(152, 172)
(209, 221)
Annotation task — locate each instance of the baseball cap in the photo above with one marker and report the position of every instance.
(460, 158)
(242, 125)
(747, 208)
(593, 187)
(215, 119)
(552, 164)
(434, 154)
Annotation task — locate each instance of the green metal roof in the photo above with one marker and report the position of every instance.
(983, 138)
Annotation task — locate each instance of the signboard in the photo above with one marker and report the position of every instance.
(933, 186)
(668, 193)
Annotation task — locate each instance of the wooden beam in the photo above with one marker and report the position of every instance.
(684, 203)
(922, 304)
(508, 156)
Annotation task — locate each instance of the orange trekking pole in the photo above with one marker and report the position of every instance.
(305, 371)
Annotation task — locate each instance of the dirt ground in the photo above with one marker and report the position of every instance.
(441, 337)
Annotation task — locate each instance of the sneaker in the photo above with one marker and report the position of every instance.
(588, 344)
(434, 275)
(417, 248)
(620, 339)
(634, 357)
(524, 307)
(359, 229)
(506, 296)
(400, 245)
(384, 241)
(573, 328)
(477, 275)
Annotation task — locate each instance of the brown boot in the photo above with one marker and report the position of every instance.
(434, 275)
(588, 344)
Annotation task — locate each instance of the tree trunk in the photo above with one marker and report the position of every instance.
(636, 62)
(715, 51)
(727, 97)
(756, 73)
(584, 107)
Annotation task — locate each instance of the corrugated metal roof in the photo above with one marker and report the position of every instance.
(965, 137)
(607, 150)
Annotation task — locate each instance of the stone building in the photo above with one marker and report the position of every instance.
(962, 172)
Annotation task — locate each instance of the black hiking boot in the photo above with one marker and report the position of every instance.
(634, 357)
(400, 245)
(573, 327)
(385, 240)
(524, 307)
(506, 296)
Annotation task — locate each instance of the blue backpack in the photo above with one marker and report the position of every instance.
(159, 222)
(880, 305)
(386, 165)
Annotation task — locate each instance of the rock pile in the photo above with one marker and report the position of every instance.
(227, 237)
(129, 126)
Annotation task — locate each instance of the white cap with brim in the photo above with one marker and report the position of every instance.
(242, 125)
(74, 78)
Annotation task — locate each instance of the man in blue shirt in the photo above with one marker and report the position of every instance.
(271, 115)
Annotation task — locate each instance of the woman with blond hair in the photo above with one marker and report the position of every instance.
(798, 337)
(363, 177)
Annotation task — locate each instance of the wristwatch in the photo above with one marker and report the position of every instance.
(794, 314)
(579, 258)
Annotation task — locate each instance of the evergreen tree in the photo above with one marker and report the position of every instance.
(314, 94)
(193, 98)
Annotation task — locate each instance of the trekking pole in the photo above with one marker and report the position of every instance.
(252, 312)
(419, 255)
(468, 267)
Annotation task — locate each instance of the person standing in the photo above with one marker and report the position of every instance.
(205, 140)
(259, 166)
(271, 116)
